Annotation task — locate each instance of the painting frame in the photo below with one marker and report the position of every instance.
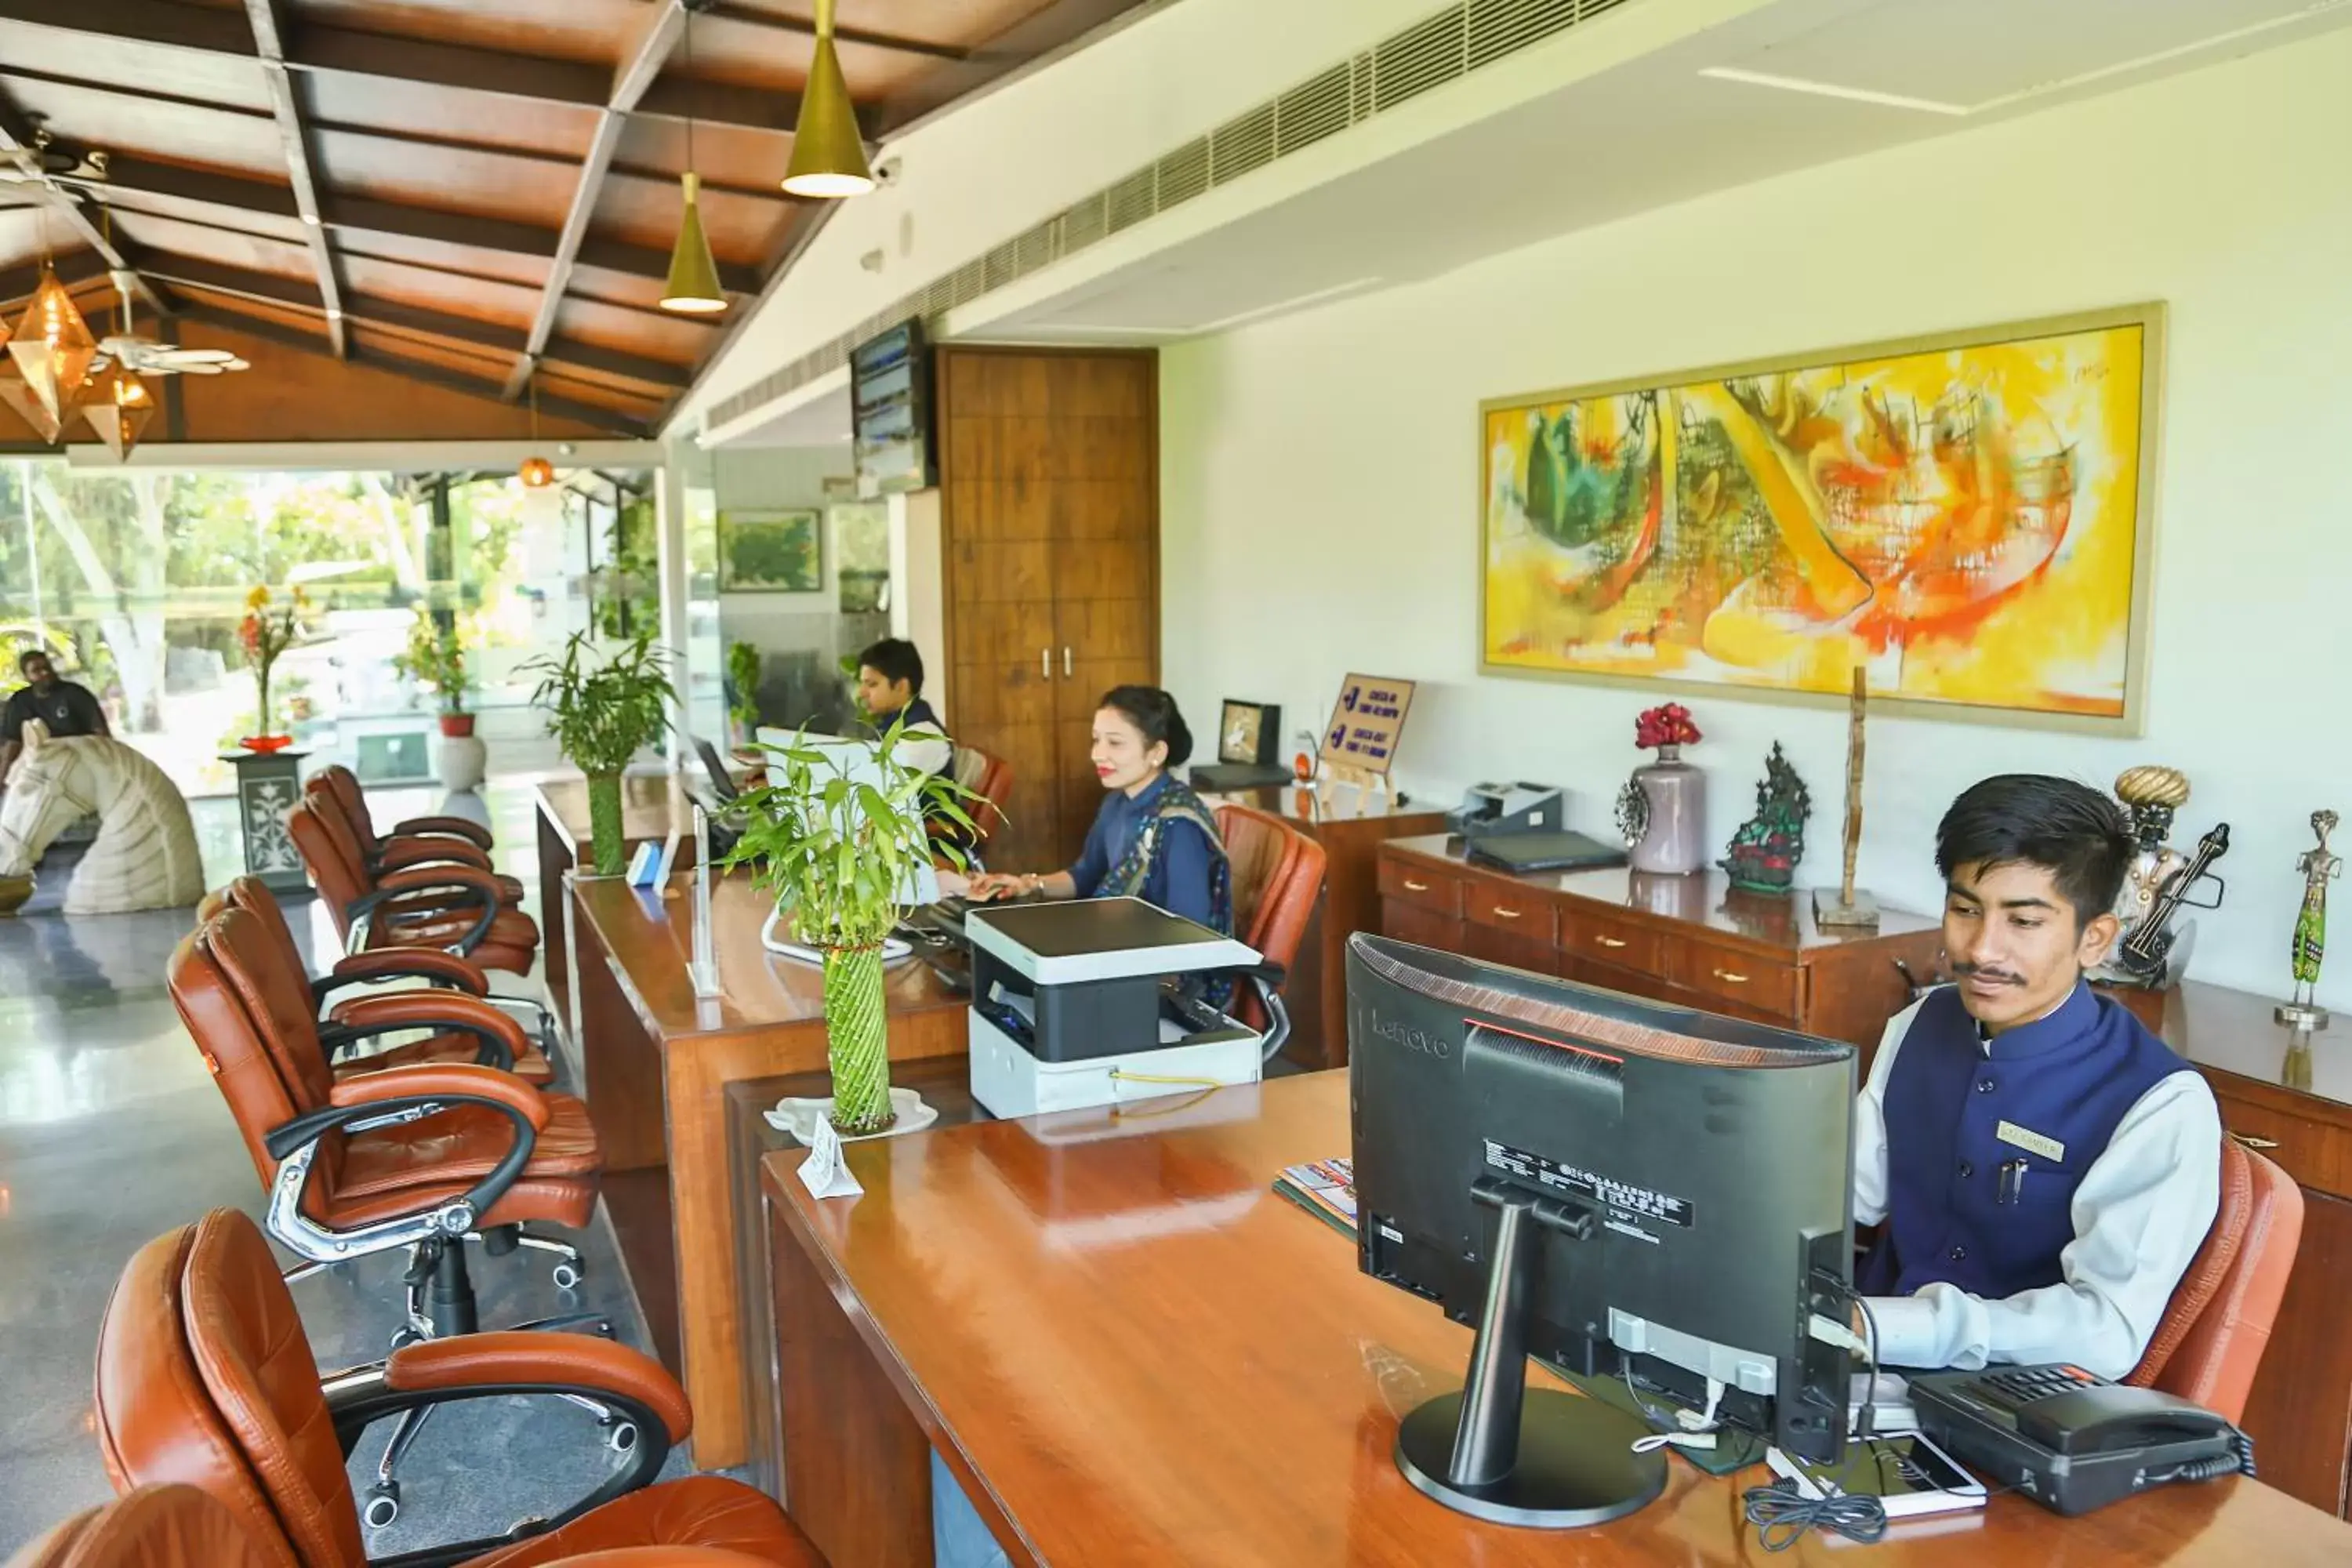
(2147, 316)
(737, 524)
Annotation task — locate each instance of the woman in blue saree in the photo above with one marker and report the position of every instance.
(1153, 839)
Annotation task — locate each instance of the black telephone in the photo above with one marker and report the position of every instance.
(2071, 1441)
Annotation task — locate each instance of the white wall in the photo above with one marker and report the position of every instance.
(1319, 472)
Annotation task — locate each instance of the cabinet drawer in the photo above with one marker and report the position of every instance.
(2315, 1154)
(1735, 976)
(1525, 912)
(1597, 939)
(1536, 955)
(1437, 891)
(1421, 925)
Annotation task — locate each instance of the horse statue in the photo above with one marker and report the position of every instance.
(144, 856)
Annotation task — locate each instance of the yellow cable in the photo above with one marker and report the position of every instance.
(1153, 1078)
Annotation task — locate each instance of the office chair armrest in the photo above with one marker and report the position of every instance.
(463, 886)
(495, 1047)
(579, 1361)
(473, 833)
(400, 853)
(443, 969)
(442, 1080)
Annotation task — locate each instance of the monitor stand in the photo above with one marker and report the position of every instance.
(1499, 1451)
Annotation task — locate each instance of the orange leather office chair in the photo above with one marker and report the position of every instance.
(206, 1377)
(989, 777)
(344, 784)
(2213, 1333)
(355, 1022)
(426, 1157)
(1278, 874)
(173, 1526)
(457, 907)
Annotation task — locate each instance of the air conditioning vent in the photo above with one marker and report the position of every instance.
(1442, 48)
(1183, 173)
(1427, 55)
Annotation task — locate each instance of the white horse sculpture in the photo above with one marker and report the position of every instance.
(145, 854)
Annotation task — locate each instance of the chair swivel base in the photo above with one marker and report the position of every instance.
(1576, 1465)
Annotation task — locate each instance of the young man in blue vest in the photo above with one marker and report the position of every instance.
(2043, 1167)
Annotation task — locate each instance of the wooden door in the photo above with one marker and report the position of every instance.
(1050, 479)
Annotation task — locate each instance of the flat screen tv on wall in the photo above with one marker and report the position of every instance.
(890, 399)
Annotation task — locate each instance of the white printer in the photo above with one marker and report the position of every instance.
(1069, 1011)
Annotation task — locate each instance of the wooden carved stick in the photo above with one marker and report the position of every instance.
(1853, 782)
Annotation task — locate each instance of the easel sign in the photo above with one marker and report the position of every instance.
(1360, 743)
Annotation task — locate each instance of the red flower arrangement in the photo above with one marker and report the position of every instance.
(1668, 724)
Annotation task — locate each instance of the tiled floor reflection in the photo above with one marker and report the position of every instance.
(111, 1133)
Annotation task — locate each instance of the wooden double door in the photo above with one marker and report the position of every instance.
(1050, 530)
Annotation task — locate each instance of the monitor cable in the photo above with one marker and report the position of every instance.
(1782, 1514)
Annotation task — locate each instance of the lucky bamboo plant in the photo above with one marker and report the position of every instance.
(840, 854)
(601, 716)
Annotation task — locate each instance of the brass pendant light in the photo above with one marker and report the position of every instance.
(118, 411)
(18, 396)
(536, 473)
(828, 152)
(53, 346)
(693, 287)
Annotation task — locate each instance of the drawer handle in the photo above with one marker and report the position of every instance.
(1609, 940)
(1502, 913)
(1412, 887)
(2246, 1141)
(1730, 977)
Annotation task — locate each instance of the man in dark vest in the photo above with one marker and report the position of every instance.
(2041, 1166)
(66, 708)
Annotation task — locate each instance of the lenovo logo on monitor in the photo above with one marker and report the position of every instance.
(1405, 1035)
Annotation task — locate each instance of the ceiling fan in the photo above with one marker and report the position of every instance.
(145, 356)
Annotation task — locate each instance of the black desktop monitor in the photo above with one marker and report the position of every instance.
(722, 783)
(1620, 1185)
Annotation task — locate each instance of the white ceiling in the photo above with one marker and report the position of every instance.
(1643, 134)
(1655, 131)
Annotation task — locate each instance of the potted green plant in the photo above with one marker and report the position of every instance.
(839, 853)
(436, 658)
(601, 716)
(743, 688)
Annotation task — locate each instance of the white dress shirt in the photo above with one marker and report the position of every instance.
(2141, 1213)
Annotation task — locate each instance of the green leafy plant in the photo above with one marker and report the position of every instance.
(601, 716)
(743, 684)
(434, 657)
(837, 852)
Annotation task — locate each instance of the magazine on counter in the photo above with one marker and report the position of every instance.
(1324, 1188)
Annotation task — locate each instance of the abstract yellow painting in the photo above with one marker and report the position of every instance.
(1967, 517)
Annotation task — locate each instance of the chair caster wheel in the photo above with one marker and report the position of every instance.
(406, 1335)
(382, 1505)
(621, 1437)
(568, 1276)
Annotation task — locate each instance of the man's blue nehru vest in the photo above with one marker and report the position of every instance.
(2064, 1080)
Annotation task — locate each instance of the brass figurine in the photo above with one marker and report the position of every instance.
(2319, 866)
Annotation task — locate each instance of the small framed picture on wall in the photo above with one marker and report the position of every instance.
(771, 551)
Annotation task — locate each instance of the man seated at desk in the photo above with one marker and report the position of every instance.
(890, 690)
(2041, 1166)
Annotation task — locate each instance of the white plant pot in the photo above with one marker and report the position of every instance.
(460, 763)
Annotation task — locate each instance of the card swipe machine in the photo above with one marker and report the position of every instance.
(1490, 809)
(1068, 1008)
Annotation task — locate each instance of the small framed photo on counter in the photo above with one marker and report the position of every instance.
(1249, 733)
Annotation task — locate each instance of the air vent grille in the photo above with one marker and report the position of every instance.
(1442, 48)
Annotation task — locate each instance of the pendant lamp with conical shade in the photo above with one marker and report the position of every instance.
(693, 286)
(828, 150)
(119, 409)
(53, 346)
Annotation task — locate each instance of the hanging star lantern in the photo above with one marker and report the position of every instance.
(52, 347)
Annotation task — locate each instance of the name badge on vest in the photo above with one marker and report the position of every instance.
(2032, 1143)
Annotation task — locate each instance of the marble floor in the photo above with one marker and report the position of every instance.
(112, 1133)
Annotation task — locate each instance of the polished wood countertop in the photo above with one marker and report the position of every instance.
(1132, 1351)
(2234, 1032)
(1779, 924)
(649, 935)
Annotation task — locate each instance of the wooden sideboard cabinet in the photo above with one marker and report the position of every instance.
(2297, 1109)
(1692, 939)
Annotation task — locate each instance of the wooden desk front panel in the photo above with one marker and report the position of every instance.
(1130, 1352)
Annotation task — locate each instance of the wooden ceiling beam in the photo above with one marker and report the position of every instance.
(315, 46)
(138, 175)
(642, 58)
(806, 27)
(268, 42)
(264, 288)
(425, 374)
(75, 270)
(1025, 45)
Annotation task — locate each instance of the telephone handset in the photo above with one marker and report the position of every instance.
(2071, 1441)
